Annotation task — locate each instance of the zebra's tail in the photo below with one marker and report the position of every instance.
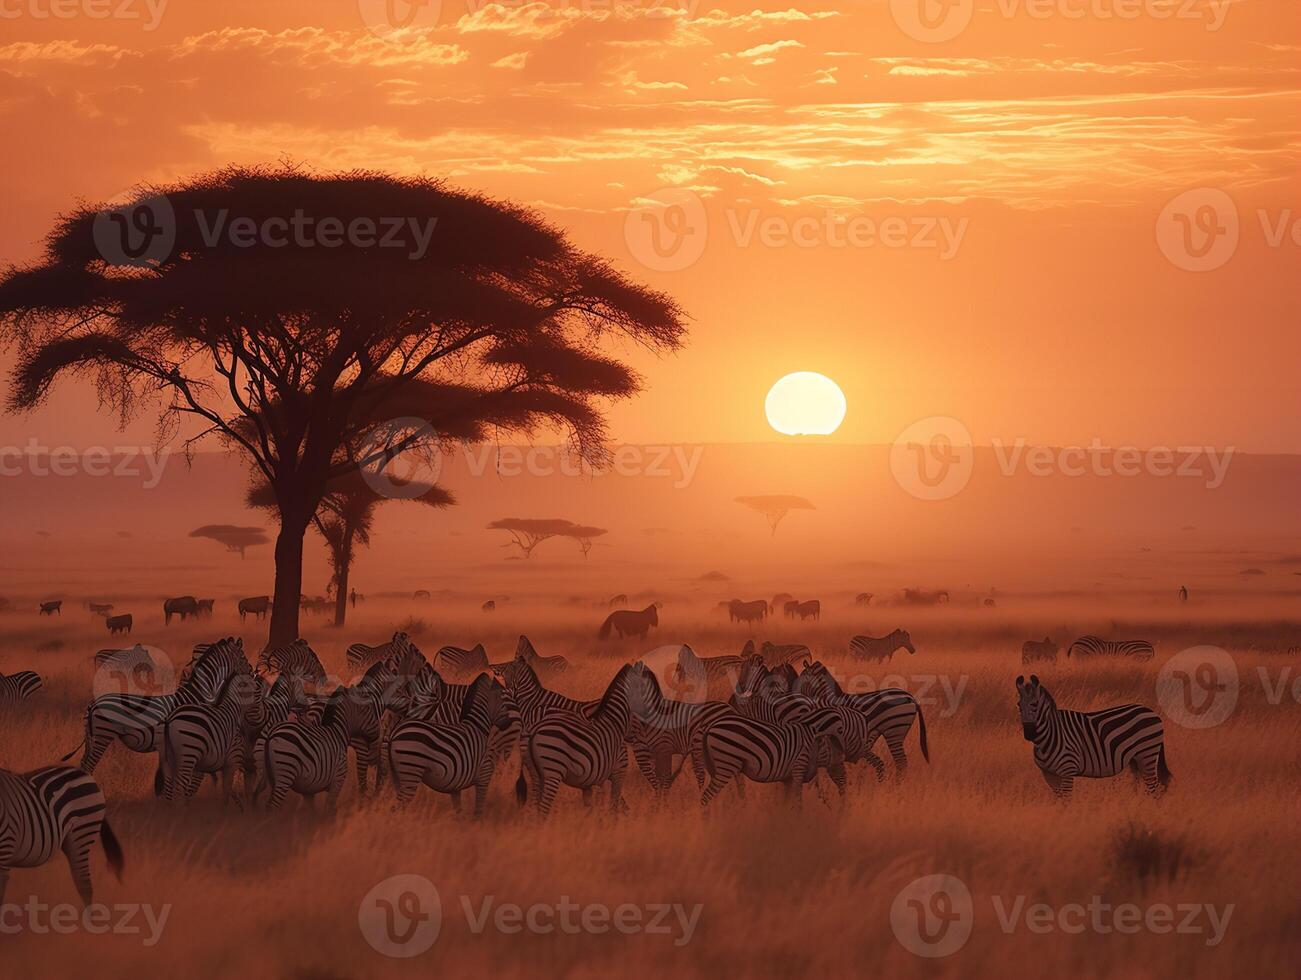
(1163, 772)
(85, 739)
(521, 787)
(160, 779)
(921, 732)
(268, 774)
(606, 626)
(112, 849)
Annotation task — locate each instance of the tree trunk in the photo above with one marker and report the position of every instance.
(289, 581)
(341, 579)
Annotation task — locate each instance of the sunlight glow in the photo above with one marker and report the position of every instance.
(805, 404)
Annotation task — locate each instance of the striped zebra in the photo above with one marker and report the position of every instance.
(285, 696)
(56, 806)
(309, 758)
(19, 687)
(571, 749)
(292, 658)
(399, 650)
(542, 666)
(1096, 646)
(880, 647)
(136, 719)
(532, 702)
(855, 734)
(210, 738)
(671, 728)
(693, 676)
(459, 662)
(763, 751)
(787, 653)
(1092, 744)
(450, 757)
(889, 712)
(362, 708)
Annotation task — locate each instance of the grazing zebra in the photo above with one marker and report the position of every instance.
(309, 758)
(585, 751)
(399, 649)
(210, 738)
(855, 735)
(1092, 744)
(119, 624)
(1045, 649)
(889, 712)
(671, 728)
(183, 606)
(136, 719)
(56, 806)
(258, 605)
(542, 666)
(451, 757)
(747, 612)
(880, 647)
(763, 751)
(296, 658)
(460, 662)
(628, 622)
(812, 609)
(787, 653)
(19, 687)
(1096, 646)
(50, 608)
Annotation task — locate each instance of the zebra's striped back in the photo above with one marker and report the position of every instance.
(19, 687)
(1096, 646)
(293, 658)
(459, 661)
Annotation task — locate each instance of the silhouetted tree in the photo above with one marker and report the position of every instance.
(235, 538)
(585, 536)
(197, 296)
(527, 533)
(774, 507)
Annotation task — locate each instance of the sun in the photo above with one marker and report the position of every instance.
(805, 404)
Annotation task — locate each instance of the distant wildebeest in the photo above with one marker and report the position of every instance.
(789, 608)
(1096, 646)
(925, 597)
(1183, 593)
(314, 603)
(1045, 649)
(617, 600)
(421, 594)
(183, 606)
(863, 599)
(628, 622)
(205, 608)
(489, 606)
(100, 608)
(988, 602)
(258, 605)
(50, 608)
(1092, 744)
(812, 609)
(119, 624)
(779, 602)
(754, 611)
(880, 647)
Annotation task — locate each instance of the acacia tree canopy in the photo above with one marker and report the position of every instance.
(484, 317)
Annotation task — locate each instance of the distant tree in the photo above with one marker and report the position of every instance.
(234, 538)
(527, 533)
(775, 507)
(276, 343)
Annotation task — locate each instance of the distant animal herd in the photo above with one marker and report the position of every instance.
(769, 714)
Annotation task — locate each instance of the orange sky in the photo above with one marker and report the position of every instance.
(1047, 147)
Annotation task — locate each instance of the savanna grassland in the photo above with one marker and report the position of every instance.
(781, 892)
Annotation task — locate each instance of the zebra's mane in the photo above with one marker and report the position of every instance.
(477, 690)
(620, 680)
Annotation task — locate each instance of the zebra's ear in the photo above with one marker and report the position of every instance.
(1034, 680)
(1020, 681)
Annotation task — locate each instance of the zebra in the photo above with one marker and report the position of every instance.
(1092, 744)
(136, 719)
(584, 751)
(532, 703)
(763, 751)
(880, 647)
(863, 599)
(450, 757)
(19, 687)
(400, 650)
(285, 696)
(50, 608)
(209, 738)
(55, 806)
(889, 712)
(542, 666)
(855, 734)
(775, 656)
(134, 667)
(362, 708)
(704, 675)
(293, 658)
(460, 662)
(1096, 646)
(1045, 649)
(671, 728)
(309, 758)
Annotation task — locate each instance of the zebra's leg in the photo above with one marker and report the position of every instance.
(4, 882)
(77, 851)
(481, 794)
(875, 761)
(718, 782)
(617, 804)
(456, 800)
(895, 745)
(547, 795)
(587, 796)
(96, 746)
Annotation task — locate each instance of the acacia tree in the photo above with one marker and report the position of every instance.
(774, 507)
(527, 533)
(198, 300)
(235, 538)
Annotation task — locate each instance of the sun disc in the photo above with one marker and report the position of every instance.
(805, 404)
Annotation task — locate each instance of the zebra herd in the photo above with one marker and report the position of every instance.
(772, 714)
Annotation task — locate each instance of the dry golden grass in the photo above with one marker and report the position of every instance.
(784, 893)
